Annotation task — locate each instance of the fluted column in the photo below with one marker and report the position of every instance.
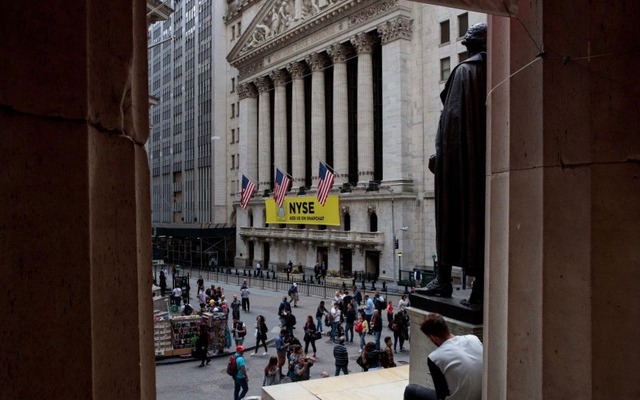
(279, 78)
(317, 63)
(363, 43)
(248, 95)
(338, 54)
(264, 132)
(298, 145)
(395, 36)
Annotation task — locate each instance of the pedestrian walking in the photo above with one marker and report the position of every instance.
(244, 294)
(310, 335)
(261, 334)
(241, 378)
(321, 313)
(341, 356)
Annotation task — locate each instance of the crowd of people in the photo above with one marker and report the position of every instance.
(349, 314)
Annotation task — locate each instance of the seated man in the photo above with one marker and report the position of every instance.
(455, 366)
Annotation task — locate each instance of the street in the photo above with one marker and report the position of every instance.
(177, 379)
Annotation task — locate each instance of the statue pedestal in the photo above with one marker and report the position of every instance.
(449, 308)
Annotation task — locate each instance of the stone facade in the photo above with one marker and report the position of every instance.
(389, 129)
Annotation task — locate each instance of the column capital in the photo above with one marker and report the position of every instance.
(279, 77)
(316, 61)
(338, 53)
(363, 43)
(247, 91)
(398, 28)
(263, 84)
(297, 69)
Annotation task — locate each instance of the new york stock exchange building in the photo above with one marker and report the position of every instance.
(354, 85)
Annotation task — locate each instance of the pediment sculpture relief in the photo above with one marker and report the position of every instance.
(284, 15)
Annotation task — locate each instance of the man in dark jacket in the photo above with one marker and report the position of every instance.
(341, 356)
(459, 168)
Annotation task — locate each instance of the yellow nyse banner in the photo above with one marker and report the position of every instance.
(304, 210)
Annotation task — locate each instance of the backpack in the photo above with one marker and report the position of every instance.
(239, 327)
(232, 366)
(358, 327)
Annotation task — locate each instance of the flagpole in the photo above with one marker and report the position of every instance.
(250, 177)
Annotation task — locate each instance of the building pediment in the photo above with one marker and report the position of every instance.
(285, 23)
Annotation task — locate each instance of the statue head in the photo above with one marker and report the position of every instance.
(476, 37)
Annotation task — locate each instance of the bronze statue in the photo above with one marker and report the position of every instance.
(459, 168)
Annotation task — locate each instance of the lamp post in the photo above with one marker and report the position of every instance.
(395, 246)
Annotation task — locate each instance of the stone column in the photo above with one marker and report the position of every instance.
(298, 145)
(264, 132)
(75, 222)
(395, 36)
(563, 220)
(317, 62)
(248, 95)
(279, 79)
(338, 54)
(363, 43)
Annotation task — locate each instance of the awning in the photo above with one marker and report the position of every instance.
(193, 230)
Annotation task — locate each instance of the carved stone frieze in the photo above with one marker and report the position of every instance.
(338, 53)
(297, 69)
(279, 77)
(399, 28)
(247, 90)
(263, 84)
(371, 12)
(363, 43)
(250, 69)
(316, 61)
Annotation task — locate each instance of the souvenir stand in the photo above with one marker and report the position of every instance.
(217, 324)
(176, 335)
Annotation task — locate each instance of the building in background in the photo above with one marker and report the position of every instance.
(354, 84)
(191, 208)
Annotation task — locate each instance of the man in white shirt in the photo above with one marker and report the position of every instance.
(335, 321)
(177, 295)
(455, 366)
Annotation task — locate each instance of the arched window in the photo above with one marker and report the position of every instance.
(347, 221)
(250, 219)
(373, 222)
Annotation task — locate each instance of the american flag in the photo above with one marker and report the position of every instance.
(248, 187)
(325, 183)
(282, 186)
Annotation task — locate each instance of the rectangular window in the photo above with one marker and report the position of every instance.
(233, 161)
(462, 56)
(233, 110)
(238, 138)
(445, 68)
(238, 110)
(233, 136)
(239, 28)
(463, 24)
(233, 32)
(445, 32)
(233, 85)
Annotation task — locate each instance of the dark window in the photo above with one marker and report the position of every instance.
(445, 32)
(463, 24)
(373, 222)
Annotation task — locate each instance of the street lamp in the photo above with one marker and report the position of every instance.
(395, 246)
